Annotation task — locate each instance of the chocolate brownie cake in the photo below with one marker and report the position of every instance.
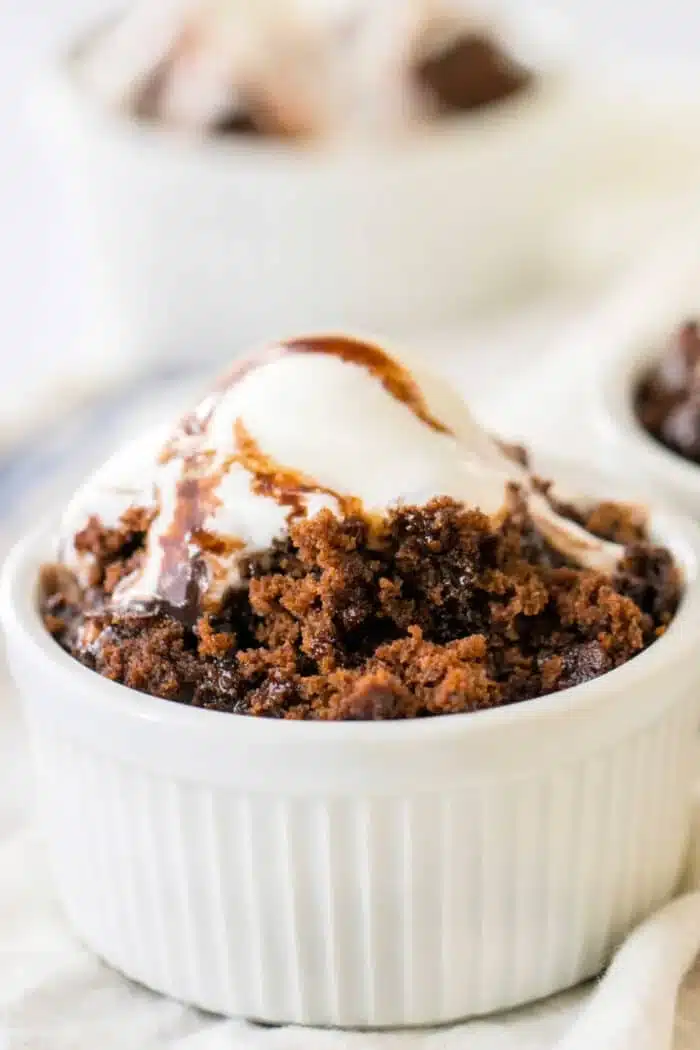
(430, 610)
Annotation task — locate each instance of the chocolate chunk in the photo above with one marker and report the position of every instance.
(469, 73)
(582, 662)
(648, 576)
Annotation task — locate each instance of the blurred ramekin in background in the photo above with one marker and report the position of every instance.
(618, 429)
(637, 336)
(203, 245)
(362, 874)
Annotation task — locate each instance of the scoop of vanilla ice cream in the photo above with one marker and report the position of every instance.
(323, 422)
(127, 479)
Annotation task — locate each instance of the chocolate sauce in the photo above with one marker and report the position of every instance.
(282, 484)
(394, 377)
(181, 568)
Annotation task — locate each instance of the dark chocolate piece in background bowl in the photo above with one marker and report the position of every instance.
(668, 397)
(304, 75)
(470, 72)
(640, 408)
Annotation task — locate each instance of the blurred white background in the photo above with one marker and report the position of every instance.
(40, 268)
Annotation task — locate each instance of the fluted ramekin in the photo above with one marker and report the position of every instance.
(617, 428)
(362, 874)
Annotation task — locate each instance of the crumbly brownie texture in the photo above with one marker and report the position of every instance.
(434, 610)
(668, 397)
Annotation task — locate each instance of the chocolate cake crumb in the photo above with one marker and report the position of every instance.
(432, 610)
(617, 522)
(648, 576)
(153, 656)
(115, 552)
(579, 663)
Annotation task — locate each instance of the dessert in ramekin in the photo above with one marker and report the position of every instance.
(644, 404)
(206, 242)
(364, 809)
(294, 70)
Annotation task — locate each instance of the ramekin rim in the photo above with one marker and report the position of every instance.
(19, 612)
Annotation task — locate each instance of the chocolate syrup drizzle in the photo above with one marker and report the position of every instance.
(396, 379)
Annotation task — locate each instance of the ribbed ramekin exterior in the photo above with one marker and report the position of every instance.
(368, 909)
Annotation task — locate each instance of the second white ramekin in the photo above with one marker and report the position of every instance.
(611, 389)
(362, 874)
(200, 246)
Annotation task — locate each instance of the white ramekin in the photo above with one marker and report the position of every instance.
(201, 246)
(362, 874)
(610, 406)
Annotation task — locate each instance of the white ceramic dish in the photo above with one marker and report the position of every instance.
(611, 404)
(201, 246)
(362, 874)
